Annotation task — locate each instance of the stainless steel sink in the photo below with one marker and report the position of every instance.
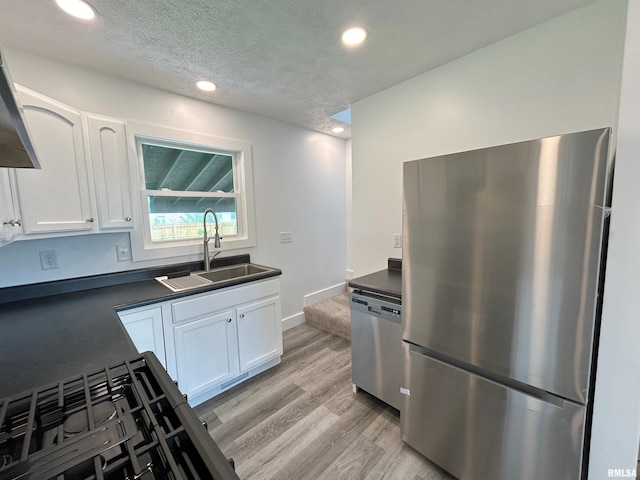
(217, 275)
(236, 271)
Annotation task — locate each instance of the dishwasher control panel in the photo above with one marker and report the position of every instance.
(374, 304)
(390, 310)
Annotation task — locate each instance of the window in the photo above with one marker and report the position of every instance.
(179, 179)
(171, 172)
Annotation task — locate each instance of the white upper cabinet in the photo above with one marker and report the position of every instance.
(108, 153)
(84, 183)
(55, 198)
(10, 222)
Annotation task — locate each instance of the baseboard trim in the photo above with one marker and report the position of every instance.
(292, 321)
(324, 294)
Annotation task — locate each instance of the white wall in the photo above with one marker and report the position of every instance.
(349, 202)
(616, 419)
(299, 178)
(557, 77)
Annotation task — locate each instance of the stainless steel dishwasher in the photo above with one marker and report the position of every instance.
(376, 346)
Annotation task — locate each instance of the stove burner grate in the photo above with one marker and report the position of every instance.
(128, 421)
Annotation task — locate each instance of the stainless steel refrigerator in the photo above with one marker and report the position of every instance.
(501, 280)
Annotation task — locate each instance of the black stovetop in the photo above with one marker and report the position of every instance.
(128, 421)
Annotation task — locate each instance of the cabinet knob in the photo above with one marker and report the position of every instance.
(17, 222)
(128, 219)
(229, 320)
(12, 222)
(242, 315)
(90, 220)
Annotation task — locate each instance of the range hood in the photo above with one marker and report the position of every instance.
(16, 149)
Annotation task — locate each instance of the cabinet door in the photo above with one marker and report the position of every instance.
(206, 352)
(55, 198)
(10, 223)
(108, 151)
(259, 332)
(145, 329)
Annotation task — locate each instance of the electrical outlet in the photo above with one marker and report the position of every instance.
(286, 237)
(123, 252)
(48, 260)
(397, 240)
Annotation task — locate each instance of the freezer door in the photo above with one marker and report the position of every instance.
(478, 429)
(501, 257)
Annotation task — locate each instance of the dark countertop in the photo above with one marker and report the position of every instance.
(386, 282)
(48, 338)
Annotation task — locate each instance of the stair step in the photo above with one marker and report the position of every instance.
(332, 315)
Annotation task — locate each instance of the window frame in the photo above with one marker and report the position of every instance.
(142, 247)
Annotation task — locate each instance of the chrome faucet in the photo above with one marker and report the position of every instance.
(216, 240)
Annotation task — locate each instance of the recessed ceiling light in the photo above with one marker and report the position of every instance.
(206, 86)
(337, 130)
(354, 36)
(77, 8)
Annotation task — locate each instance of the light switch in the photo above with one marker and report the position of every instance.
(286, 237)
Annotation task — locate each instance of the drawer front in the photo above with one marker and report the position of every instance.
(475, 428)
(205, 303)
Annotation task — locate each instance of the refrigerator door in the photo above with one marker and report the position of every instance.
(501, 257)
(478, 429)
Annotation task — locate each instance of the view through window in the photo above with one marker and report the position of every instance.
(181, 183)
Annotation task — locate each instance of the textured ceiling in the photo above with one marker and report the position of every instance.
(278, 58)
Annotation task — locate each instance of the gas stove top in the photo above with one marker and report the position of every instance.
(128, 421)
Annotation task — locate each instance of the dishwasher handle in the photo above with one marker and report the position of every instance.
(375, 307)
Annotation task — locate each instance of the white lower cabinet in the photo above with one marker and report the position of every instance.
(144, 326)
(209, 342)
(217, 339)
(259, 332)
(206, 352)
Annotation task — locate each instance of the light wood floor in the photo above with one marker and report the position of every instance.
(301, 420)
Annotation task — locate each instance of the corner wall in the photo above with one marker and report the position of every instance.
(558, 77)
(299, 179)
(349, 202)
